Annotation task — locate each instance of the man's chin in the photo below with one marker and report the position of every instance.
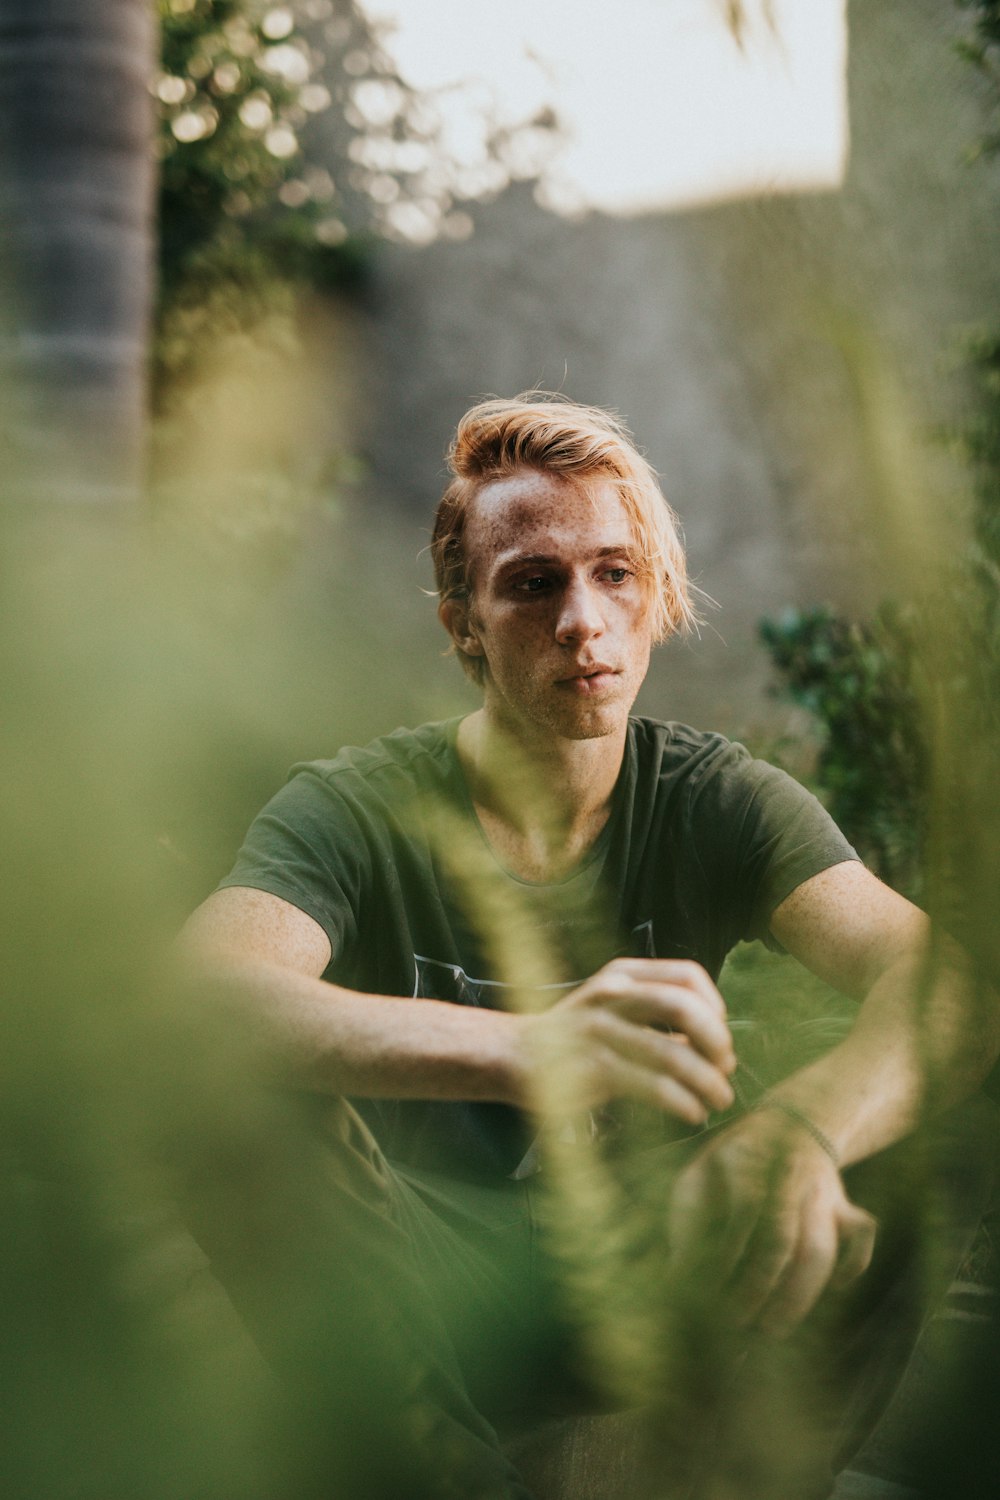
(594, 723)
(567, 718)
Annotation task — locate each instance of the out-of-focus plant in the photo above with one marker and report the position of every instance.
(952, 1437)
(739, 16)
(244, 215)
(860, 678)
(979, 443)
(289, 145)
(907, 709)
(981, 48)
(289, 149)
(856, 679)
(249, 224)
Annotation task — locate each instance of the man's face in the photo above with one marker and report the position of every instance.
(557, 610)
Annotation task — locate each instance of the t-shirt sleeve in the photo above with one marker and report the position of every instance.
(305, 847)
(760, 835)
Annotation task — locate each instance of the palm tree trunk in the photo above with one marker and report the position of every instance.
(76, 212)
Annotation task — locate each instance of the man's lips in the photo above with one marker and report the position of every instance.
(589, 679)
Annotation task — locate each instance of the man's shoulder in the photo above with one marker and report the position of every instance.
(672, 747)
(684, 767)
(422, 755)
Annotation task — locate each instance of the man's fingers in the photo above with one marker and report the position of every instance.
(764, 1233)
(670, 1009)
(706, 1239)
(666, 1058)
(693, 1208)
(804, 1279)
(765, 1266)
(821, 1261)
(682, 972)
(857, 1245)
(671, 1095)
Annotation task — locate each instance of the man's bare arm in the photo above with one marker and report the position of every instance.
(767, 1195)
(926, 1034)
(266, 957)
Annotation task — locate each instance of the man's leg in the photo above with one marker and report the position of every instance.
(399, 1307)
(734, 1414)
(323, 1251)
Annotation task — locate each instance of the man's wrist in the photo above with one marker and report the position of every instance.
(510, 1060)
(793, 1112)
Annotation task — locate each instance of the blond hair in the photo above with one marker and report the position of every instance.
(553, 435)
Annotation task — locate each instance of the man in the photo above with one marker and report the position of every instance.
(380, 913)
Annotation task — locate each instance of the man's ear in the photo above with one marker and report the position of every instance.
(455, 617)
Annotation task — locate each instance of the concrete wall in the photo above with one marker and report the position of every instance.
(710, 331)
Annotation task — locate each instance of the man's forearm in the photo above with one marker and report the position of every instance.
(644, 1028)
(925, 1037)
(371, 1046)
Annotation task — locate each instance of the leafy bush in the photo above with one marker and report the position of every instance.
(244, 215)
(872, 764)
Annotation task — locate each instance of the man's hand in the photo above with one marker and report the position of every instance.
(760, 1218)
(642, 1028)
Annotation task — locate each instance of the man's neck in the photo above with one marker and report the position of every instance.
(542, 805)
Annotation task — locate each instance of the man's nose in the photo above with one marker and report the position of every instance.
(580, 617)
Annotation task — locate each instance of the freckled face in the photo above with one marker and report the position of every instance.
(557, 610)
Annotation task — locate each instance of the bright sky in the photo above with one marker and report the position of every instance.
(661, 107)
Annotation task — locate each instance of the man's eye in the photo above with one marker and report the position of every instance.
(617, 575)
(533, 585)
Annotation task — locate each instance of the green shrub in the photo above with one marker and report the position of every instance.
(856, 679)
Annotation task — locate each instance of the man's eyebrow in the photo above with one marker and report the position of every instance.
(544, 559)
(527, 560)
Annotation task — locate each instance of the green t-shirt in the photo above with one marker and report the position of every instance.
(381, 846)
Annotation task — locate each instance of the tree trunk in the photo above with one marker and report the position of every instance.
(76, 226)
